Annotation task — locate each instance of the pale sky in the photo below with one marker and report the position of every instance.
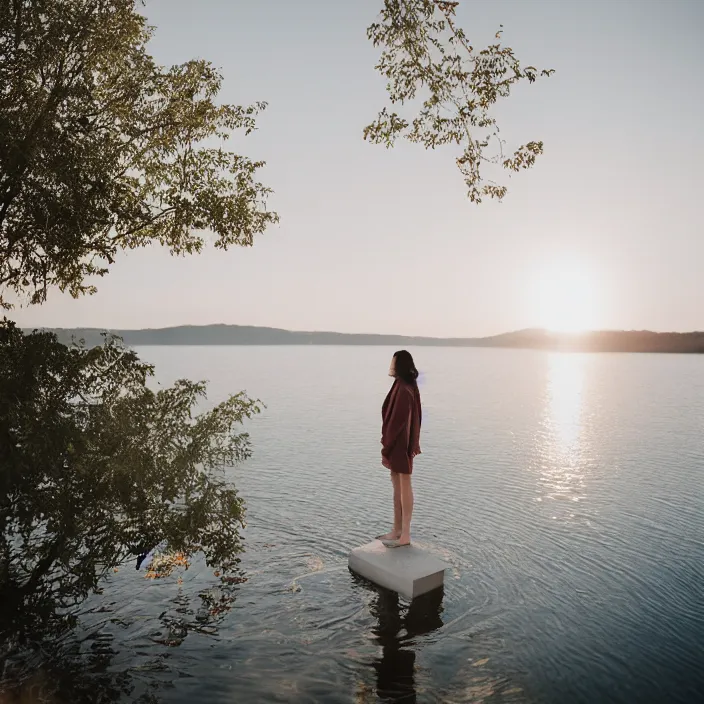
(605, 231)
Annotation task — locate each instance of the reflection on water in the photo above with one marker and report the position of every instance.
(398, 627)
(565, 400)
(96, 662)
(561, 444)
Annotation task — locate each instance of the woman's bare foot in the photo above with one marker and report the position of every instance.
(395, 544)
(391, 535)
(404, 540)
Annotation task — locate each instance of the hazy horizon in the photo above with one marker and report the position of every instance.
(603, 233)
(389, 333)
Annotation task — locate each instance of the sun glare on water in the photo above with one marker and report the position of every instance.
(567, 301)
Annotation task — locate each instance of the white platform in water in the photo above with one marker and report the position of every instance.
(409, 570)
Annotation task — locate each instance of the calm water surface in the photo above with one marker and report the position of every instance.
(566, 491)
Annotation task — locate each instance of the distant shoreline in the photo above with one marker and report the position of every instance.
(238, 335)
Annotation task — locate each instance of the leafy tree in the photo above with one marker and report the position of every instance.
(97, 466)
(102, 149)
(426, 54)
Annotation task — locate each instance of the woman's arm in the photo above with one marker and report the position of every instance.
(399, 421)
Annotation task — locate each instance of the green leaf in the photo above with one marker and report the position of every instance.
(429, 64)
(102, 149)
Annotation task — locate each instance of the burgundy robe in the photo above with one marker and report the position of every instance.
(400, 430)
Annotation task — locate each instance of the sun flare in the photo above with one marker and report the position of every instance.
(567, 301)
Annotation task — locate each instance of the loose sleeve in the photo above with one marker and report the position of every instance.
(398, 423)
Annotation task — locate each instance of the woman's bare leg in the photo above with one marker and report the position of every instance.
(406, 508)
(395, 532)
(398, 506)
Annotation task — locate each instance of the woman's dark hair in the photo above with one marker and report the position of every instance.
(405, 367)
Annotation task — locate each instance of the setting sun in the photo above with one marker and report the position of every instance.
(567, 301)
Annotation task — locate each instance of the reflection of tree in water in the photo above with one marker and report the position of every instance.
(201, 617)
(80, 666)
(65, 670)
(397, 628)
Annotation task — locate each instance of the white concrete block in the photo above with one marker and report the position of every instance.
(409, 570)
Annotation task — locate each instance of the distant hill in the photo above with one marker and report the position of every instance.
(600, 341)
(603, 341)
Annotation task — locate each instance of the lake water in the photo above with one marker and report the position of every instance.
(566, 491)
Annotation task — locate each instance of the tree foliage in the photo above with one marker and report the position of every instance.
(102, 149)
(426, 54)
(97, 466)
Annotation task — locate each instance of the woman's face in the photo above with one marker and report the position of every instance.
(392, 367)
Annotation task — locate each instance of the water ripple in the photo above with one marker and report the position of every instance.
(564, 491)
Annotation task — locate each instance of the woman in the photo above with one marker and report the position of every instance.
(400, 443)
